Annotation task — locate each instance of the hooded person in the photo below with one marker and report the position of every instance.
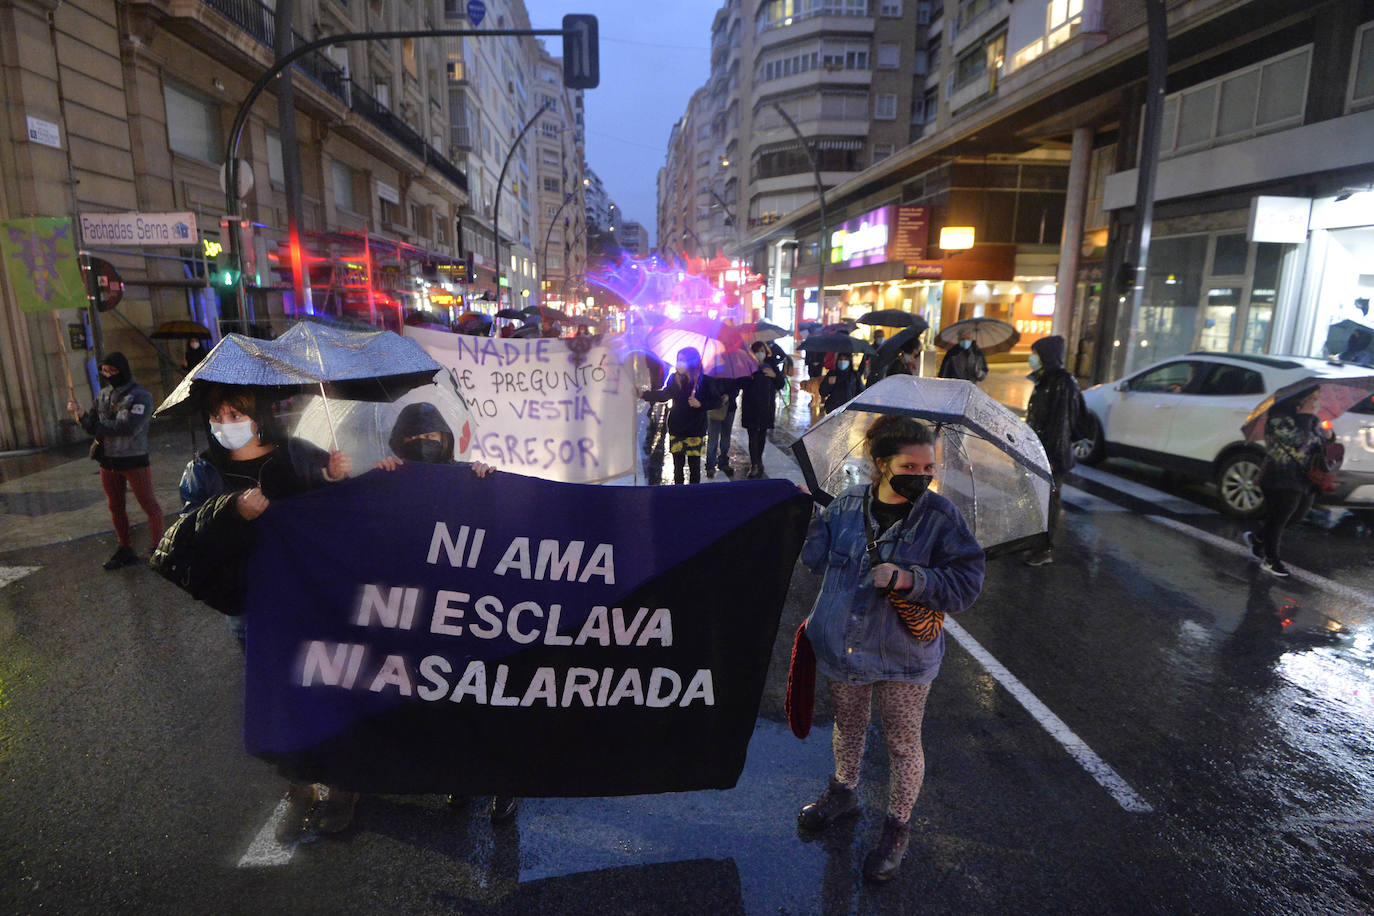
(1055, 413)
(422, 434)
(840, 384)
(965, 360)
(119, 423)
(1358, 349)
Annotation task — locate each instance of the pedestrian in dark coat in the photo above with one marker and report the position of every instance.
(841, 384)
(692, 394)
(1293, 440)
(1055, 412)
(119, 423)
(965, 360)
(758, 403)
(1359, 349)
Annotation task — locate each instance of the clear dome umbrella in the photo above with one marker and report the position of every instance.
(989, 463)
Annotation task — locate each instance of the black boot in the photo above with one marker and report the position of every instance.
(835, 802)
(123, 557)
(882, 863)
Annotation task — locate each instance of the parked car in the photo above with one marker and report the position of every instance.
(1185, 414)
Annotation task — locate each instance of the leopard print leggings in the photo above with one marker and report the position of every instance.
(901, 707)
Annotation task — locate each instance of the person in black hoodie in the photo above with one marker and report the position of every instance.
(693, 394)
(119, 422)
(841, 384)
(1358, 349)
(759, 403)
(1054, 412)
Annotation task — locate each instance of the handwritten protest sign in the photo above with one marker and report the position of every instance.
(555, 408)
(516, 636)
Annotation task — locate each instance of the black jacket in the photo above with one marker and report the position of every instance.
(839, 387)
(1056, 405)
(684, 420)
(759, 402)
(1292, 442)
(970, 365)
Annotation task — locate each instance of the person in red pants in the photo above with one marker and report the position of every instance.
(119, 422)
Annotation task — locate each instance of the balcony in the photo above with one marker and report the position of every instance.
(460, 136)
(799, 27)
(257, 21)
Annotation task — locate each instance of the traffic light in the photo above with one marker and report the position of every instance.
(226, 276)
(581, 52)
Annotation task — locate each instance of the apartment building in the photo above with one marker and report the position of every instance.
(127, 107)
(560, 192)
(1029, 133)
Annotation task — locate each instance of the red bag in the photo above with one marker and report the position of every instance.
(1325, 463)
(800, 702)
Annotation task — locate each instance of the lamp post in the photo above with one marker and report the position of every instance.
(544, 268)
(496, 207)
(820, 199)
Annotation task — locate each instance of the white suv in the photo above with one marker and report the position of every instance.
(1185, 414)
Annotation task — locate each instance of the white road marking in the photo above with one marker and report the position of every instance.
(1165, 501)
(1097, 768)
(1364, 599)
(265, 851)
(1088, 502)
(10, 574)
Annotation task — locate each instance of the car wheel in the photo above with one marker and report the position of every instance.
(1238, 483)
(1091, 449)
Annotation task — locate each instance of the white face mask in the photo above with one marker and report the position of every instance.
(1034, 361)
(233, 436)
(842, 364)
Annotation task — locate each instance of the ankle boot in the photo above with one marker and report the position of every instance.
(300, 800)
(335, 813)
(882, 863)
(835, 802)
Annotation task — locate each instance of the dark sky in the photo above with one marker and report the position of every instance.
(653, 56)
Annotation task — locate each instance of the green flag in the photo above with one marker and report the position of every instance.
(40, 258)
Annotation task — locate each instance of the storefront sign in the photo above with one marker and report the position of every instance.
(925, 270)
(909, 241)
(1279, 219)
(862, 241)
(139, 229)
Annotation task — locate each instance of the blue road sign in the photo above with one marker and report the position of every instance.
(476, 11)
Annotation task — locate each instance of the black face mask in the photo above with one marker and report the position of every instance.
(113, 381)
(424, 451)
(910, 486)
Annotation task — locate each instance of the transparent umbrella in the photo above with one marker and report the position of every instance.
(363, 428)
(988, 461)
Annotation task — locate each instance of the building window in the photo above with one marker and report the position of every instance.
(341, 176)
(1258, 99)
(439, 235)
(549, 130)
(276, 172)
(408, 56)
(551, 184)
(881, 151)
(892, 8)
(386, 211)
(1362, 79)
(415, 218)
(885, 106)
(381, 90)
(192, 124)
(889, 56)
(456, 71)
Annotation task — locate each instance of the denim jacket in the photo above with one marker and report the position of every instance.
(855, 631)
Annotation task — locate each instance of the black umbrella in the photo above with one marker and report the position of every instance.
(893, 345)
(510, 313)
(1337, 335)
(992, 335)
(183, 329)
(836, 343)
(892, 318)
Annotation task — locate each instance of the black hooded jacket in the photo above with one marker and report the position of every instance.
(1358, 350)
(417, 418)
(1056, 405)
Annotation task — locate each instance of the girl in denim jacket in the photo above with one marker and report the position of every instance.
(925, 551)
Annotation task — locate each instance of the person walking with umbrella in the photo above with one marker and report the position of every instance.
(119, 422)
(758, 403)
(876, 543)
(1293, 440)
(840, 384)
(690, 391)
(964, 360)
(1055, 412)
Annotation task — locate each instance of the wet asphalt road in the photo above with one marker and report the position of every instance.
(1237, 709)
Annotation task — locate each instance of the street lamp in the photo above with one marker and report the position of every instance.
(496, 208)
(820, 199)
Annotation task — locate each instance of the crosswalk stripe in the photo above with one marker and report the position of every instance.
(1081, 499)
(10, 574)
(1157, 498)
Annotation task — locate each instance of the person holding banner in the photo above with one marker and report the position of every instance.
(884, 547)
(249, 463)
(690, 390)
